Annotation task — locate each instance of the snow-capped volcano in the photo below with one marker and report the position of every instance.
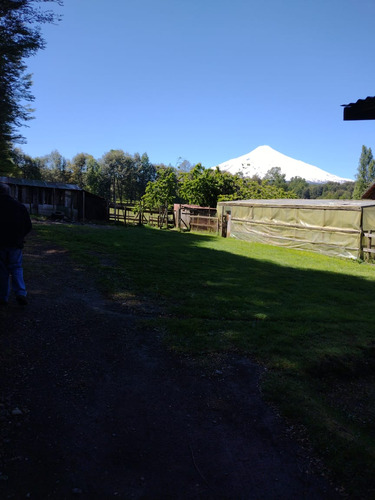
(263, 158)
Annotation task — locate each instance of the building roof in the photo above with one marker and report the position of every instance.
(37, 183)
(302, 203)
(370, 193)
(363, 109)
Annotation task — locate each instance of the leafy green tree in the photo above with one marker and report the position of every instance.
(299, 186)
(118, 167)
(28, 167)
(316, 191)
(20, 38)
(78, 168)
(328, 190)
(203, 187)
(8, 160)
(227, 183)
(276, 178)
(345, 190)
(337, 191)
(96, 180)
(207, 187)
(130, 178)
(247, 189)
(161, 193)
(199, 187)
(365, 173)
(145, 172)
(55, 168)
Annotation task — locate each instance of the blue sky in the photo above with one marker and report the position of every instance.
(205, 80)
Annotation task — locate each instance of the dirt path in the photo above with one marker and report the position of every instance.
(92, 406)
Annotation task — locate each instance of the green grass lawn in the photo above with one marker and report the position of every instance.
(306, 317)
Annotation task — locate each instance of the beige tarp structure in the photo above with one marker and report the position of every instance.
(333, 227)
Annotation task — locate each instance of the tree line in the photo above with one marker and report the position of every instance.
(121, 177)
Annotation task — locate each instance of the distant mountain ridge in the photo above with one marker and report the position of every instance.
(263, 158)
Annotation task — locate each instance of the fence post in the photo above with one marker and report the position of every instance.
(225, 228)
(228, 217)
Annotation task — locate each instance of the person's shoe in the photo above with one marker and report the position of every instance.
(22, 300)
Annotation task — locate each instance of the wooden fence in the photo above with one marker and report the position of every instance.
(129, 215)
(185, 217)
(369, 251)
(204, 223)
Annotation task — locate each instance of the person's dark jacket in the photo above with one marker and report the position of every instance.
(15, 222)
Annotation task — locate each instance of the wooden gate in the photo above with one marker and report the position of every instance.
(195, 218)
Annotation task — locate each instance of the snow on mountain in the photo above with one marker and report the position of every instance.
(263, 158)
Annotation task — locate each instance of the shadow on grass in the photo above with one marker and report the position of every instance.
(308, 318)
(259, 301)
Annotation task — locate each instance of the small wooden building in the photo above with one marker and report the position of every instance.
(48, 198)
(344, 228)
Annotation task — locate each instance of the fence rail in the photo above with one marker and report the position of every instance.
(369, 251)
(184, 218)
(128, 215)
(204, 223)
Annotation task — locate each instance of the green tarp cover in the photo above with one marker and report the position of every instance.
(332, 227)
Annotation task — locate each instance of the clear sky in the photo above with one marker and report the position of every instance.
(205, 80)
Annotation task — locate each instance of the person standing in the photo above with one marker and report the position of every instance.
(15, 224)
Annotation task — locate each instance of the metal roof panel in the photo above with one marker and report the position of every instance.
(38, 183)
(302, 203)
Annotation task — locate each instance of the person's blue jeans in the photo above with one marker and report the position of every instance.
(11, 266)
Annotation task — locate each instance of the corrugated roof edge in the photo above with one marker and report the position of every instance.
(302, 203)
(37, 183)
(370, 193)
(361, 102)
